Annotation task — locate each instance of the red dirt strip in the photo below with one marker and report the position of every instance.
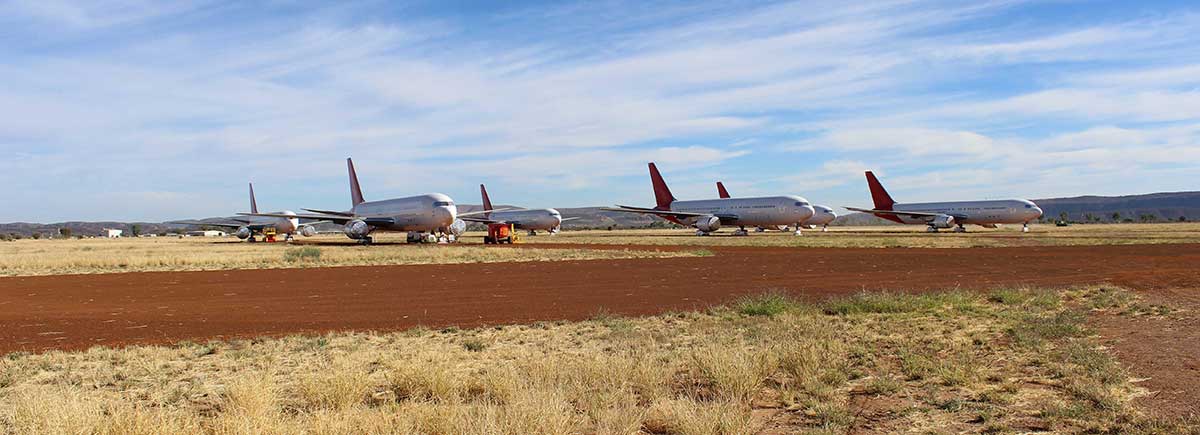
(79, 311)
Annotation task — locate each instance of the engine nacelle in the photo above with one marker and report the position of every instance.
(942, 221)
(708, 224)
(357, 229)
(457, 228)
(244, 233)
(308, 231)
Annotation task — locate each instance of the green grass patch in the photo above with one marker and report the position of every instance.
(307, 253)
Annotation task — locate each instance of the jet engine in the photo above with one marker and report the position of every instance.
(308, 231)
(457, 228)
(357, 229)
(244, 233)
(942, 221)
(708, 224)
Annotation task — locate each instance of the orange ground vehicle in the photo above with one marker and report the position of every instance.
(501, 233)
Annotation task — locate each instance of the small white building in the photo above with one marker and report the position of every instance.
(206, 233)
(111, 233)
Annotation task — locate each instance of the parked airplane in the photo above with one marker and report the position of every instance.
(426, 218)
(710, 214)
(531, 220)
(284, 222)
(822, 215)
(987, 214)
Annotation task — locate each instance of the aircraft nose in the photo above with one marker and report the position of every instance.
(806, 212)
(446, 214)
(1037, 212)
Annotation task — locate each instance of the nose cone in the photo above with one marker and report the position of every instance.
(805, 212)
(1037, 212)
(445, 215)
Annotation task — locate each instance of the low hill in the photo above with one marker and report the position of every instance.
(1167, 206)
(1153, 207)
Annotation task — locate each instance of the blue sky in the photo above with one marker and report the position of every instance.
(152, 110)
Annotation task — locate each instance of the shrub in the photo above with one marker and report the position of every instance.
(766, 304)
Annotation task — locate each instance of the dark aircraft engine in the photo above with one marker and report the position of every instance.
(708, 223)
(943, 221)
(308, 231)
(457, 228)
(244, 233)
(357, 229)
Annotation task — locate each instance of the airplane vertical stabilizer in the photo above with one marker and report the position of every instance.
(487, 202)
(662, 194)
(356, 196)
(721, 191)
(253, 204)
(879, 195)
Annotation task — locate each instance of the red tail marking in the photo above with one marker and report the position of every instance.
(662, 194)
(721, 191)
(356, 196)
(487, 202)
(253, 204)
(882, 200)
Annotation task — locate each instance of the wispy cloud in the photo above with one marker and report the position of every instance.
(562, 105)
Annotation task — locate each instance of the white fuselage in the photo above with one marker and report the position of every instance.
(281, 225)
(1009, 211)
(425, 213)
(751, 212)
(537, 219)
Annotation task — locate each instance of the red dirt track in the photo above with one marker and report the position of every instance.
(79, 311)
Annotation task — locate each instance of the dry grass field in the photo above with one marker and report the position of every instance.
(1013, 360)
(71, 256)
(909, 236)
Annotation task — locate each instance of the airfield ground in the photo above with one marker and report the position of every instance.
(1059, 383)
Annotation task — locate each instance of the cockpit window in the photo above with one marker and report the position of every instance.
(1028, 206)
(443, 203)
(801, 204)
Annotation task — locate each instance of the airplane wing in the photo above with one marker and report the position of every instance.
(915, 214)
(479, 212)
(335, 219)
(330, 213)
(232, 223)
(570, 218)
(481, 220)
(678, 214)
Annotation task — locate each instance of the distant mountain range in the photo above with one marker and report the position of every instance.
(1168, 206)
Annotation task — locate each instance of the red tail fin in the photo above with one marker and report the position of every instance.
(662, 194)
(883, 201)
(487, 202)
(356, 197)
(253, 204)
(721, 191)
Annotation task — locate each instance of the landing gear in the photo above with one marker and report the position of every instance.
(960, 229)
(366, 241)
(288, 238)
(798, 233)
(741, 231)
(532, 232)
(931, 229)
(1025, 227)
(701, 233)
(760, 230)
(825, 228)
